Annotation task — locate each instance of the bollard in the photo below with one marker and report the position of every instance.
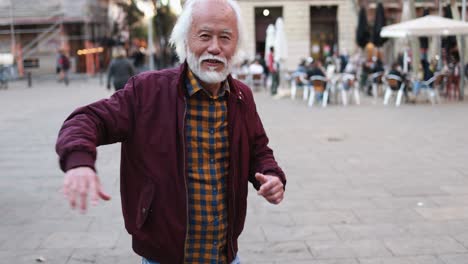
(101, 81)
(29, 79)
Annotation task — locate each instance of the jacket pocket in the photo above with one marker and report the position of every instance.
(144, 204)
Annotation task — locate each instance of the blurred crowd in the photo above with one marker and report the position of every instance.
(366, 72)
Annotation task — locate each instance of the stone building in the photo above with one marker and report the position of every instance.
(313, 27)
(42, 28)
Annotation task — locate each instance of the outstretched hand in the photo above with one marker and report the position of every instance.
(271, 188)
(78, 183)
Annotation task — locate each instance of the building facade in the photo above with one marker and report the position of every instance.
(39, 29)
(313, 28)
(317, 27)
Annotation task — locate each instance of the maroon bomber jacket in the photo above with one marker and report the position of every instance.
(148, 117)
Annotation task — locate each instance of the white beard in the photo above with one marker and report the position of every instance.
(211, 75)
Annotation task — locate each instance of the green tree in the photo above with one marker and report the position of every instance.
(163, 21)
(133, 17)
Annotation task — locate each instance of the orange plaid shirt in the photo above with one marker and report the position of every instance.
(208, 165)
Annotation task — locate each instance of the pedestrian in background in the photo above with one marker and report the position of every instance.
(63, 66)
(3, 77)
(273, 69)
(453, 85)
(191, 141)
(120, 69)
(138, 58)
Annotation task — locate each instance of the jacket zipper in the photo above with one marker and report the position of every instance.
(185, 179)
(233, 196)
(234, 216)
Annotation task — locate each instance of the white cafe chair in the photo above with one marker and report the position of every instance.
(392, 86)
(299, 80)
(317, 81)
(349, 88)
(376, 79)
(431, 92)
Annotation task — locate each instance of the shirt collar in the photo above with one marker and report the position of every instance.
(194, 86)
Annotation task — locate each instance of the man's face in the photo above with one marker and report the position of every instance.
(212, 40)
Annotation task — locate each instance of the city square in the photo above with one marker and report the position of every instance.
(363, 102)
(366, 184)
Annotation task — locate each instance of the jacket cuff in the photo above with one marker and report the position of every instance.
(279, 175)
(78, 159)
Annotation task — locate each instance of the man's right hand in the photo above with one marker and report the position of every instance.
(78, 183)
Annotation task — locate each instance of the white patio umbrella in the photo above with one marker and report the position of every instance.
(407, 13)
(269, 40)
(281, 43)
(426, 26)
(281, 49)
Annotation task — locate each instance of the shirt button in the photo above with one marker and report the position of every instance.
(211, 102)
(211, 160)
(212, 131)
(215, 242)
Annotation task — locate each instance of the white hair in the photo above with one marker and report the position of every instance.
(182, 27)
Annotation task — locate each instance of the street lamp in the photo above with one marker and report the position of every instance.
(12, 30)
(462, 57)
(148, 9)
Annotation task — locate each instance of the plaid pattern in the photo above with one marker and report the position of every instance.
(208, 164)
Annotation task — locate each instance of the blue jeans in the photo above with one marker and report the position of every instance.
(417, 86)
(146, 261)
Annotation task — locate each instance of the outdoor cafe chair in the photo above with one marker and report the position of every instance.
(331, 89)
(376, 81)
(299, 80)
(429, 87)
(242, 77)
(394, 84)
(349, 87)
(318, 86)
(258, 80)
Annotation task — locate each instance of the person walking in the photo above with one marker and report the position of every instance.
(191, 141)
(3, 77)
(274, 71)
(63, 66)
(120, 69)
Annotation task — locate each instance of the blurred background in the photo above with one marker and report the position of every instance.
(88, 29)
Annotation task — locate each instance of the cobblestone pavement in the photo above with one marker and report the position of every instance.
(366, 184)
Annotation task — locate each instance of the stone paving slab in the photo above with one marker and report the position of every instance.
(369, 232)
(348, 249)
(424, 246)
(403, 260)
(455, 259)
(367, 184)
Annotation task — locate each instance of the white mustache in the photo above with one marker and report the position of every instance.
(212, 57)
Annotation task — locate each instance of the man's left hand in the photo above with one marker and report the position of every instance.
(271, 188)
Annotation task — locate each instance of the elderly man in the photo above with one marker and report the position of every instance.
(191, 140)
